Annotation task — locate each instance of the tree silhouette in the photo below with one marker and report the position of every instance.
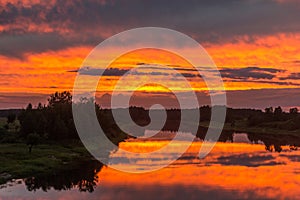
(293, 110)
(269, 110)
(278, 111)
(60, 98)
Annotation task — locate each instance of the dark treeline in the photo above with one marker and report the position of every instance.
(54, 121)
(276, 119)
(239, 120)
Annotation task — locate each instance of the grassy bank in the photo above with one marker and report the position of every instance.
(16, 162)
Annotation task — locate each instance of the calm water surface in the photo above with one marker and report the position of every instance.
(236, 169)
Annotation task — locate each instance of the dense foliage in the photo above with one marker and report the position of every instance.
(54, 121)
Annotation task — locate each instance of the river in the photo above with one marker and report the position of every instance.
(234, 169)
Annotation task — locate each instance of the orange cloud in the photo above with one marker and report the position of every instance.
(41, 73)
(49, 71)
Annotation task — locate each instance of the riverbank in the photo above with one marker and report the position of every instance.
(17, 162)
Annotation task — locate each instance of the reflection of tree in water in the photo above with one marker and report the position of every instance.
(293, 148)
(273, 147)
(274, 142)
(224, 137)
(82, 176)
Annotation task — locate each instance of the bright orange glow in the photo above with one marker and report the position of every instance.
(275, 51)
(274, 181)
(41, 73)
(159, 62)
(49, 71)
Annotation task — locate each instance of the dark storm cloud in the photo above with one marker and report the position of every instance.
(249, 72)
(89, 22)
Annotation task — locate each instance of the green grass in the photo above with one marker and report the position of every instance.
(16, 161)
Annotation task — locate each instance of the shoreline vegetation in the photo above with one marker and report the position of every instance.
(42, 140)
(17, 163)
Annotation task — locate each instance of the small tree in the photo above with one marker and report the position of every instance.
(279, 114)
(269, 110)
(32, 140)
(293, 110)
(29, 106)
(40, 106)
(278, 111)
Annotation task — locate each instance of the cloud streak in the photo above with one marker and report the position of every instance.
(258, 75)
(250, 72)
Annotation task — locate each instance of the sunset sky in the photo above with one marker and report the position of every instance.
(254, 43)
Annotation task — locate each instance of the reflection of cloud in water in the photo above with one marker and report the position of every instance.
(248, 160)
(168, 135)
(230, 171)
(293, 158)
(226, 154)
(242, 138)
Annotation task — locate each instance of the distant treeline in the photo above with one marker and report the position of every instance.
(269, 118)
(275, 118)
(54, 121)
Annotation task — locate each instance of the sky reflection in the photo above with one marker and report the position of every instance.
(230, 171)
